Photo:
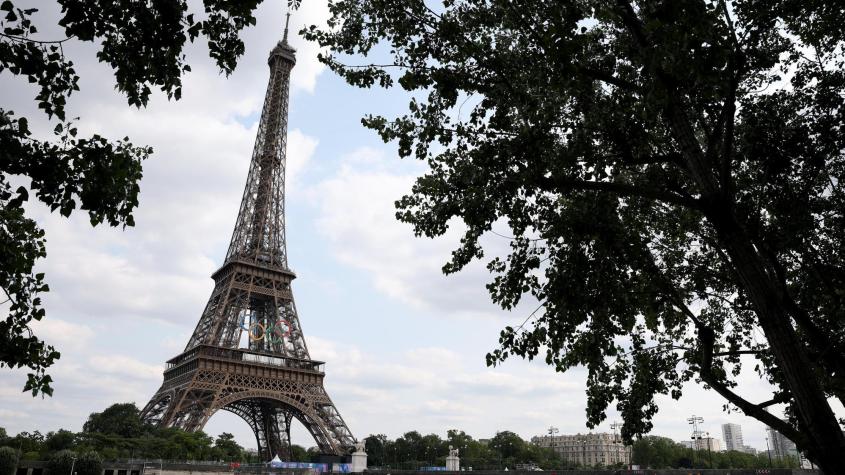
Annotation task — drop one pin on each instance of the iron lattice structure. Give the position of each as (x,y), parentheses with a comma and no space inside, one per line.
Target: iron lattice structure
(273,379)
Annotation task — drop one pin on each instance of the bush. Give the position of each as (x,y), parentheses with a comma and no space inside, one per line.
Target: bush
(61,463)
(8,461)
(89,463)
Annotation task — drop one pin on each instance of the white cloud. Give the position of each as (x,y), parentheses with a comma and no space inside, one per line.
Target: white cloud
(63,334)
(10,414)
(357,216)
(125,366)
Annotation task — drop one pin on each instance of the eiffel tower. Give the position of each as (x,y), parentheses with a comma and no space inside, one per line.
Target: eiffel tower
(247,354)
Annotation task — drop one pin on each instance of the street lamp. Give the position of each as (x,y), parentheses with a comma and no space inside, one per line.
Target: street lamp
(552,431)
(769,451)
(72,463)
(584,452)
(694,421)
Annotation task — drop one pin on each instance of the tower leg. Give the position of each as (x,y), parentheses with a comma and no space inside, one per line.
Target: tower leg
(271,425)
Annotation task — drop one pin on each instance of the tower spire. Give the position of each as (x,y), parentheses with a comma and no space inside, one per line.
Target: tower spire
(287,21)
(259,235)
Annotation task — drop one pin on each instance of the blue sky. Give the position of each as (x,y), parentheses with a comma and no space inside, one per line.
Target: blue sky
(404,345)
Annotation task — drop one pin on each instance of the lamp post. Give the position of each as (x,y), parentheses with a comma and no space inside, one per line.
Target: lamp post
(694,421)
(72,464)
(552,431)
(584,452)
(769,451)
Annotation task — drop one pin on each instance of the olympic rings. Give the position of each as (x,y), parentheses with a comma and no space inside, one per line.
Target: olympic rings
(274,332)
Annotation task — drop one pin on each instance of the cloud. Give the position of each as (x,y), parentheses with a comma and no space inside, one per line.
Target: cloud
(120,365)
(357,216)
(63,334)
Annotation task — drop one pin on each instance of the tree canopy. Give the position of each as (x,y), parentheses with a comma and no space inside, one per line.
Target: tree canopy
(143,42)
(661,452)
(119,419)
(671,173)
(118,433)
(413,450)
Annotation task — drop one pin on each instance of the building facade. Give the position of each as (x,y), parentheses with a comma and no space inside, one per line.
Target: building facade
(779,446)
(703,442)
(587,449)
(732,435)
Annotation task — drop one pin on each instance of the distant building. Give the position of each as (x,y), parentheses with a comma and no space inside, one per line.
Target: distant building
(749,450)
(732,435)
(703,442)
(779,446)
(587,449)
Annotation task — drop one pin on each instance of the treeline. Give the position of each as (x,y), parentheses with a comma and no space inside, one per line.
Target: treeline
(413,450)
(118,433)
(661,452)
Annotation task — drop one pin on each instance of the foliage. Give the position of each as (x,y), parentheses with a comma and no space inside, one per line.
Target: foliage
(143,43)
(88,463)
(27,442)
(62,462)
(413,450)
(229,449)
(660,452)
(59,440)
(119,419)
(298,453)
(117,433)
(671,172)
(8,461)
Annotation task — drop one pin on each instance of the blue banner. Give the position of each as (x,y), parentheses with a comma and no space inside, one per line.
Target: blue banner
(320,467)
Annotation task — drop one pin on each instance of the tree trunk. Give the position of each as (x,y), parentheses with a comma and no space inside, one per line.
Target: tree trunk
(826,444)
(826,441)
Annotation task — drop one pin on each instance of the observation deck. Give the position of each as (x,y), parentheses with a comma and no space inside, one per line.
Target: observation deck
(249,361)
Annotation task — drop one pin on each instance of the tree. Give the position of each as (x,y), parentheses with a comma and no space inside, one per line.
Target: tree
(671,173)
(120,419)
(61,462)
(28,442)
(59,440)
(230,450)
(88,463)
(376,448)
(8,461)
(143,43)
(658,452)
(507,444)
(298,453)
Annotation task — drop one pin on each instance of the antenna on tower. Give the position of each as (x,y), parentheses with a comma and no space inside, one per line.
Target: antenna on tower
(287,21)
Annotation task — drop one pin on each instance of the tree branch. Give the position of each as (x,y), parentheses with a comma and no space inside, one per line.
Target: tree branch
(738,352)
(30,40)
(757,411)
(562,184)
(608,78)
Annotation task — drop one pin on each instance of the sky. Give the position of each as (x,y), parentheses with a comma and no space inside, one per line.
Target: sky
(404,345)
